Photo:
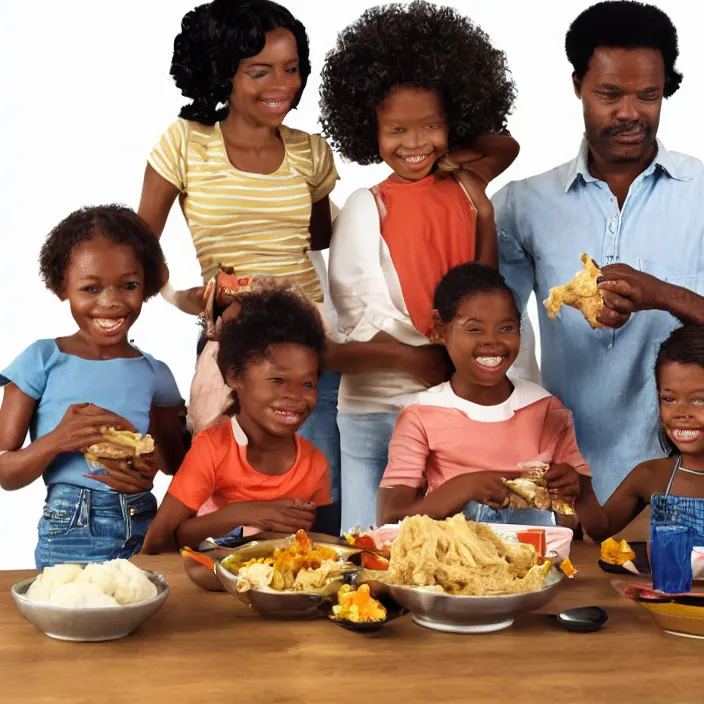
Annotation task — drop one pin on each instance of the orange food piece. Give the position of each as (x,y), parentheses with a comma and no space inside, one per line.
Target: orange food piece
(374,562)
(534,537)
(568,568)
(615,552)
(358,606)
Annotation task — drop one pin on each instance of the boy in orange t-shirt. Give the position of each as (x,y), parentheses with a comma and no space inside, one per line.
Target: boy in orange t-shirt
(253,466)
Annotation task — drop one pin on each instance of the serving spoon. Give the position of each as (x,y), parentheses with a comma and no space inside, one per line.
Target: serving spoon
(585,619)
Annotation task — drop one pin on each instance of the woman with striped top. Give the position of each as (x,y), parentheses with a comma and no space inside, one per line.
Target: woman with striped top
(253,191)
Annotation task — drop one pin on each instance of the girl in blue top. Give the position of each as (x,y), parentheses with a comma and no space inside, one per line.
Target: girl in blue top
(105,262)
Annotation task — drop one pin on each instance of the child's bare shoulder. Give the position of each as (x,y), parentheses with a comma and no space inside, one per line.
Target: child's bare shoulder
(651,476)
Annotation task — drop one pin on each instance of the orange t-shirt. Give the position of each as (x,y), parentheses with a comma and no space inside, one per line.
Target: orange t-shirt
(429,227)
(216,467)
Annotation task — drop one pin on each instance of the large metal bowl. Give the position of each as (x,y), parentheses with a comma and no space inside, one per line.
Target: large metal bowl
(288,604)
(471,614)
(89,624)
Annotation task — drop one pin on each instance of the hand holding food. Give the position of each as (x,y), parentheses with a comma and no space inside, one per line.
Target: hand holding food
(129,477)
(531,491)
(626,291)
(483,487)
(126,461)
(562,482)
(83,425)
(581,293)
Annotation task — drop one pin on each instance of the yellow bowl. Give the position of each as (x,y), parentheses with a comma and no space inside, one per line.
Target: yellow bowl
(678,619)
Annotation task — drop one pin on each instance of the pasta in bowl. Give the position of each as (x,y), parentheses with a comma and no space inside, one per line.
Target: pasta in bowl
(459,576)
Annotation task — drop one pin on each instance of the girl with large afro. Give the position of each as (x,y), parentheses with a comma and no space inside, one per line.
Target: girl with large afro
(421,88)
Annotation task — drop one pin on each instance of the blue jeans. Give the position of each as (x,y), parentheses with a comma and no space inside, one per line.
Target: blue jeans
(83,525)
(321,430)
(521,516)
(364,446)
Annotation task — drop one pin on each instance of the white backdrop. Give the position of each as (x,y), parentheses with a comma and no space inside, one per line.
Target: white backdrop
(86,92)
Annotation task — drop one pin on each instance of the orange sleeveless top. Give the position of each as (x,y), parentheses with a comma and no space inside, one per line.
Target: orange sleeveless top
(429,227)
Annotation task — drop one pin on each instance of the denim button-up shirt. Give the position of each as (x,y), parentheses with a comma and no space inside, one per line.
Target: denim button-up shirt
(606,377)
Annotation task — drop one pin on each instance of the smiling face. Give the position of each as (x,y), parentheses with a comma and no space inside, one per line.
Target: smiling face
(277,392)
(104,285)
(266,85)
(681,391)
(622,94)
(412,131)
(482,340)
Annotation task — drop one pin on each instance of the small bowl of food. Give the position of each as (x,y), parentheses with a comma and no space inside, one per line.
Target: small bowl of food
(93,602)
(676,614)
(363,610)
(287,578)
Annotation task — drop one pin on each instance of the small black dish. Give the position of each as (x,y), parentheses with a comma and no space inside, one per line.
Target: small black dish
(640,562)
(585,619)
(392,613)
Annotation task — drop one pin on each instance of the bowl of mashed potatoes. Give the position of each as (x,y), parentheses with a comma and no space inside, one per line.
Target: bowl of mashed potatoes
(93,602)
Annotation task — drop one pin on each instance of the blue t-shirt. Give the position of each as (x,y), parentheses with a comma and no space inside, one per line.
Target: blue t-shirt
(128,387)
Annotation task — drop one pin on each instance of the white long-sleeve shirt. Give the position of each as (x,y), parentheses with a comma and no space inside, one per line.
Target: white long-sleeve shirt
(366,292)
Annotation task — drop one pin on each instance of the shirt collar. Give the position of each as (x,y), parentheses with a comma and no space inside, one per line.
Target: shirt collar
(240,437)
(579,167)
(524,394)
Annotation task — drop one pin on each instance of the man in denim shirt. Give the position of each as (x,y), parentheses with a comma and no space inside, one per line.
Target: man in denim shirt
(634,207)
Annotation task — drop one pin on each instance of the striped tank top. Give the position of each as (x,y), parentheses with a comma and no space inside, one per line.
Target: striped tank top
(256,223)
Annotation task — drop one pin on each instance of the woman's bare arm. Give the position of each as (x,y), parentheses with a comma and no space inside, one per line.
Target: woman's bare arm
(320,225)
(158,195)
(166,427)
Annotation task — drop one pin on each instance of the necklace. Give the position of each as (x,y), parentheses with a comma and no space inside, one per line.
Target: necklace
(699,473)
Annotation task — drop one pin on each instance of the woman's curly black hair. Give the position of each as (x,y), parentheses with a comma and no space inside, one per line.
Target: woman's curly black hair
(419,45)
(116,223)
(266,318)
(468,280)
(685,345)
(214,38)
(624,25)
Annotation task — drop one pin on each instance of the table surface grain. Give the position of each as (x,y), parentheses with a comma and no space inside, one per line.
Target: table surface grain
(209,647)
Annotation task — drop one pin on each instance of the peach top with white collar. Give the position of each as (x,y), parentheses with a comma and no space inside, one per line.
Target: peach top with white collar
(216,466)
(442,436)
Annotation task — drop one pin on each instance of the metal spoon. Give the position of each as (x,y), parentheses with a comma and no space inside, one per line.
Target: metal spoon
(584,619)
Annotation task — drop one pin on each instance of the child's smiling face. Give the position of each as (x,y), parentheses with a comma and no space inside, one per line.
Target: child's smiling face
(278,392)
(483,338)
(681,391)
(412,131)
(104,285)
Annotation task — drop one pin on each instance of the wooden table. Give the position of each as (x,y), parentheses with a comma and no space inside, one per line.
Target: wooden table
(208,647)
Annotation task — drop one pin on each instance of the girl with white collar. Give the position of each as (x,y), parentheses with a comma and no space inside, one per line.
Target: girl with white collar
(453,445)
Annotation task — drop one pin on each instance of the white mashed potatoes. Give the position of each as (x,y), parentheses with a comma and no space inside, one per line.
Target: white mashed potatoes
(112,583)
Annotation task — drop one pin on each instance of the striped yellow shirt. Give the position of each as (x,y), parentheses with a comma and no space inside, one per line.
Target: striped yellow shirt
(256,223)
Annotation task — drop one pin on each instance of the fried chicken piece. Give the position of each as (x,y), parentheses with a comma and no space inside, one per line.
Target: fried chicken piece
(580,293)
(530,491)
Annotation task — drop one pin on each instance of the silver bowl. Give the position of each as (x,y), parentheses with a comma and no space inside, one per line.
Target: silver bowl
(283,605)
(471,614)
(89,624)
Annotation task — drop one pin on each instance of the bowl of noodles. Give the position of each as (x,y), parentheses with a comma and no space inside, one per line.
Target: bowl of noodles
(461,577)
